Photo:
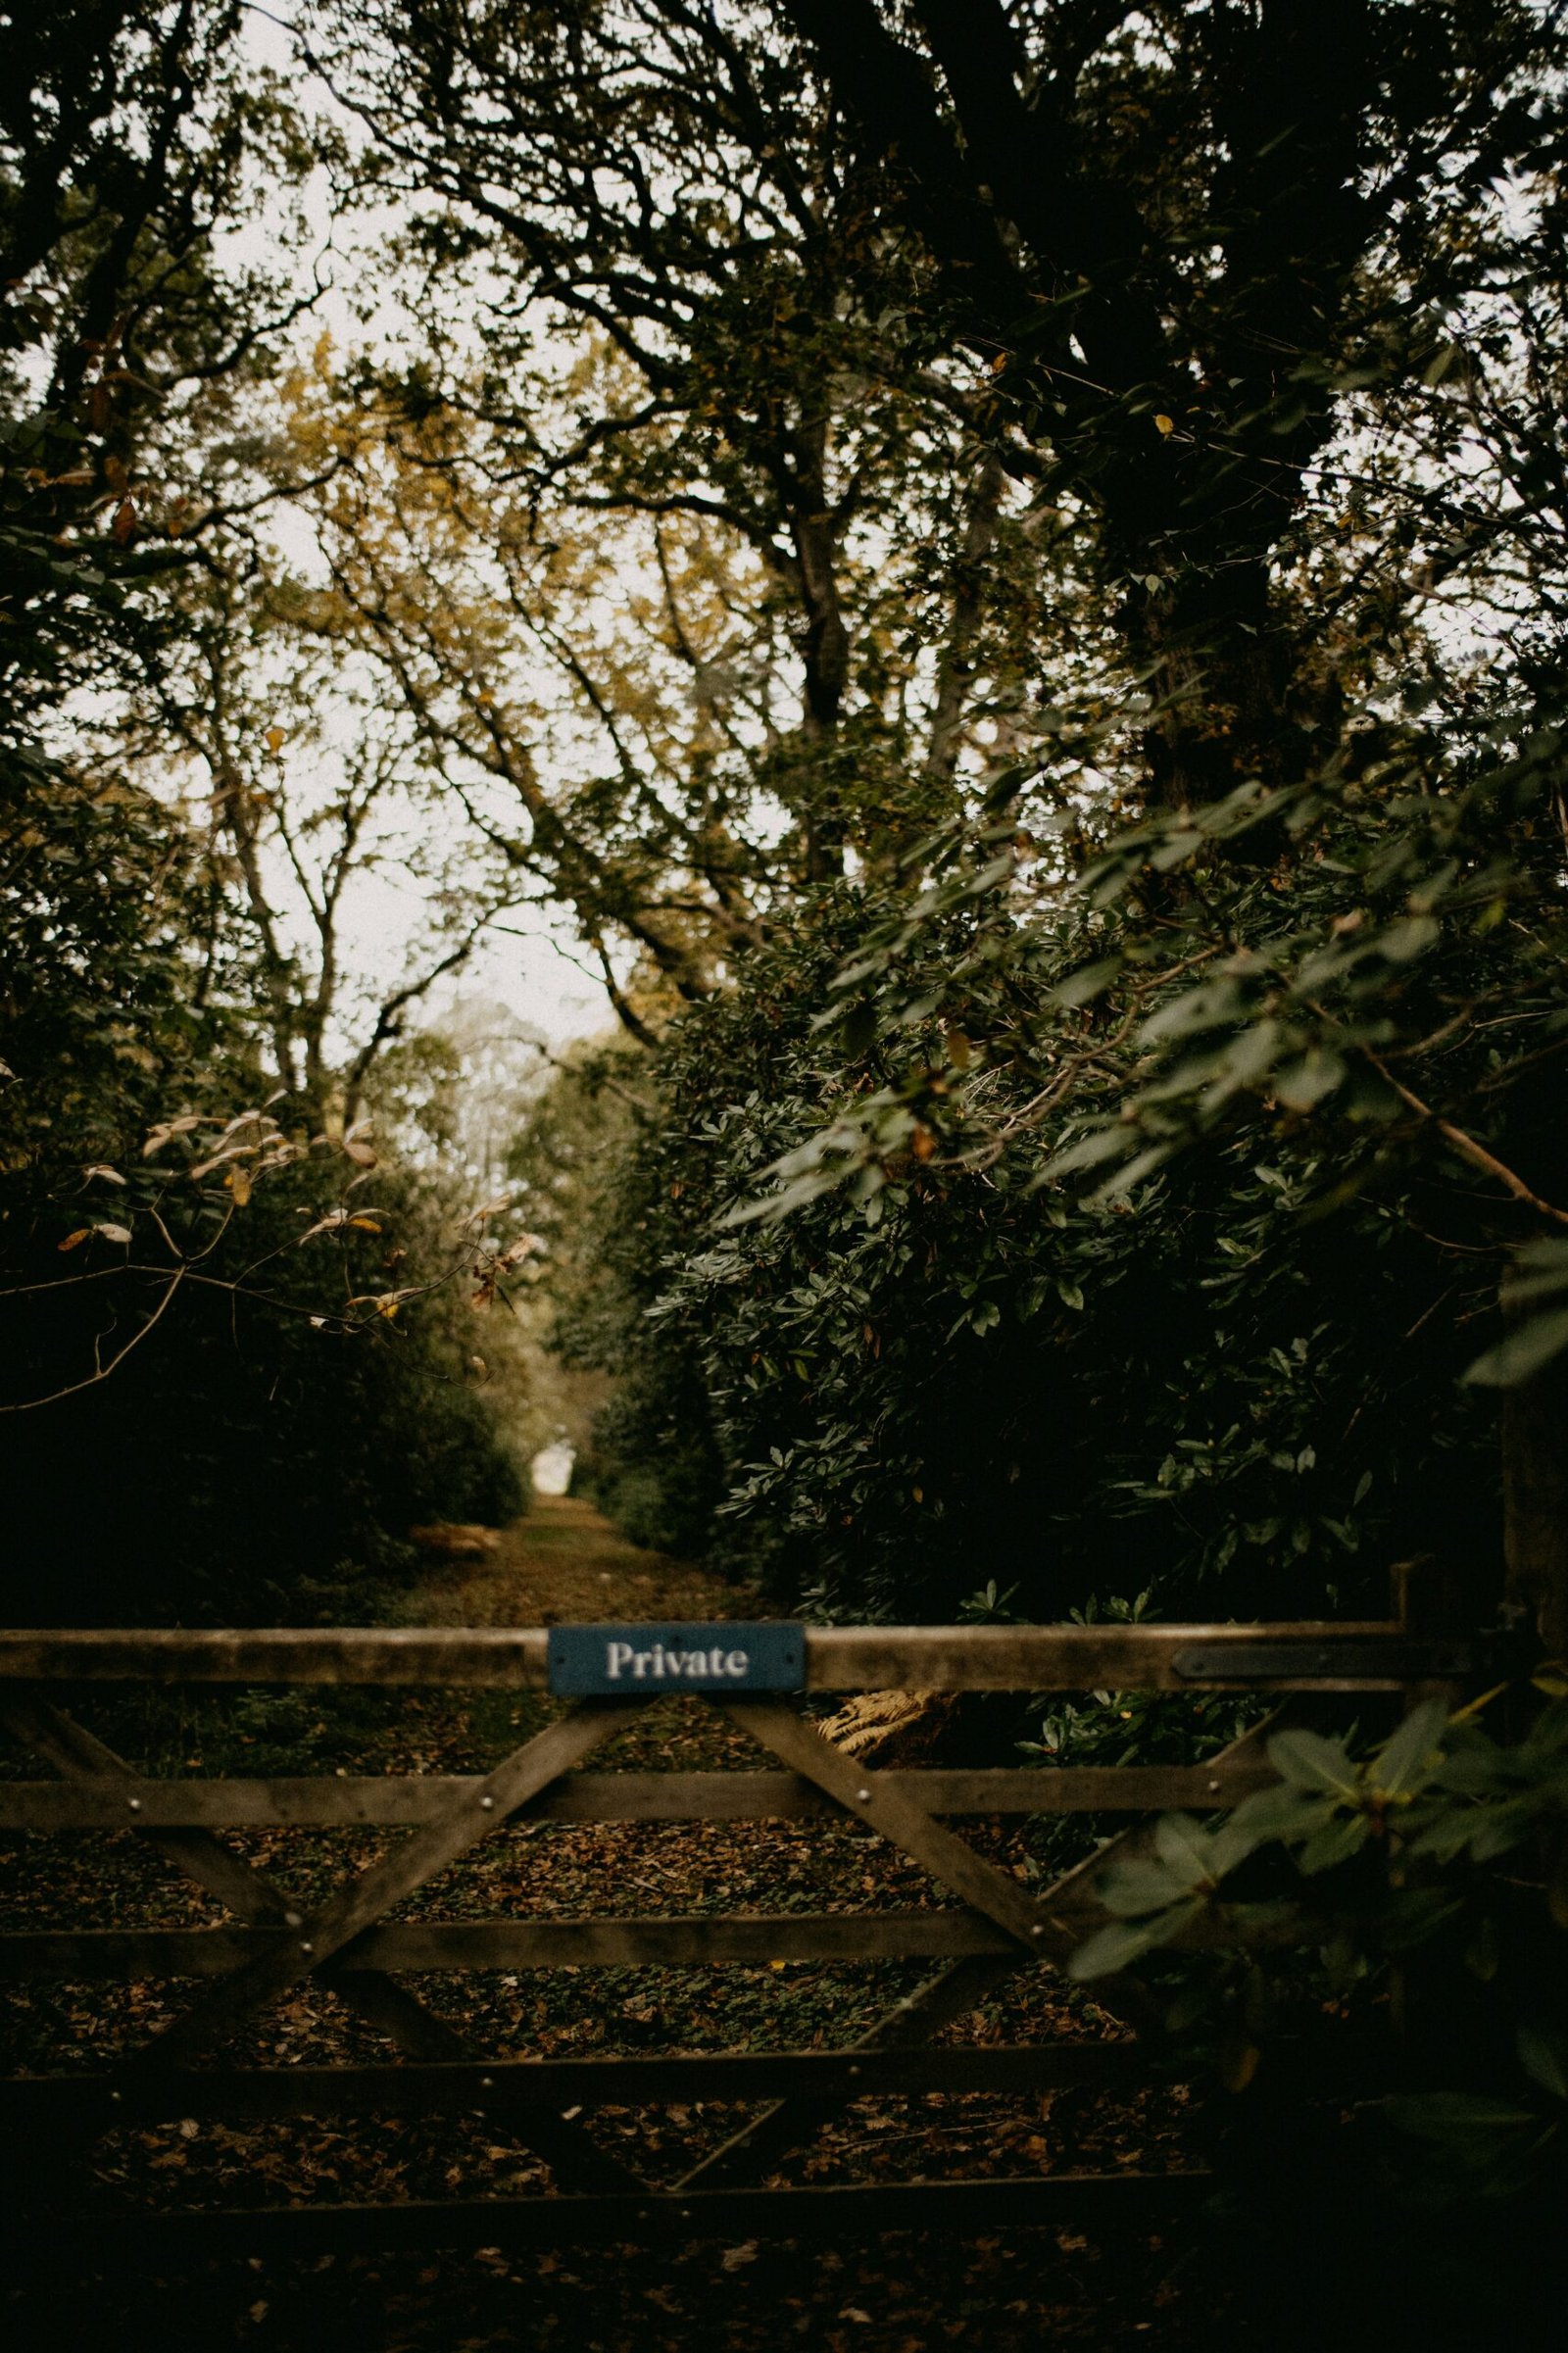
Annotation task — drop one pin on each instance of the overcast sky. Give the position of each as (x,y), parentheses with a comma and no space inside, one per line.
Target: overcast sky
(535,967)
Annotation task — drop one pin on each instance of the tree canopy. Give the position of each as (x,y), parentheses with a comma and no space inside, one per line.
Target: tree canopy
(1003,567)
(996,570)
(1125,697)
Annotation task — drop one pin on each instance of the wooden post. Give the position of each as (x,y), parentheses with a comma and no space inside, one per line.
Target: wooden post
(1535,1502)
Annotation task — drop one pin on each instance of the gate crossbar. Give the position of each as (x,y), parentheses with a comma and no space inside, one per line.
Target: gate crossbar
(349,1943)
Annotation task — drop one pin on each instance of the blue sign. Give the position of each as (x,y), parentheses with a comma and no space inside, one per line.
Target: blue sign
(645,1662)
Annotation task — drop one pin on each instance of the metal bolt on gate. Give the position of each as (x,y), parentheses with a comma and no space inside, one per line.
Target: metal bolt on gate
(757,1673)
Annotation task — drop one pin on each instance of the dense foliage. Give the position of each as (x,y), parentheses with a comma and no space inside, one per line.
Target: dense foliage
(1156,1129)
(200,1412)
(1132,1177)
(1417,1882)
(1003,567)
(937,1374)
(220,1383)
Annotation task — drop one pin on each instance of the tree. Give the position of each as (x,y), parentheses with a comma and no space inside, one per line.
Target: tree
(706,354)
(132,140)
(1273,873)
(186,1402)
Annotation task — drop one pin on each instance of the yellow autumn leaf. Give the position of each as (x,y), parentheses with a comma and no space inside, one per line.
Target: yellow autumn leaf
(1166,424)
(80,1235)
(277,738)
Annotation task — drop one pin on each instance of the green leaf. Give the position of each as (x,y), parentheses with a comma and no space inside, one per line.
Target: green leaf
(1184,1847)
(1285,1813)
(1453,2115)
(1404,941)
(1307,1761)
(1441,364)
(1544,2056)
(1483,1955)
(1416,1744)
(1142,1885)
(1087,982)
(1121,1942)
(1523,1351)
(1100,1144)
(1335,1843)
(1302,1084)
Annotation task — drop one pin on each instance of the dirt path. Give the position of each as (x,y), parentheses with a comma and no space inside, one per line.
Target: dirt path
(564,1562)
(896,2296)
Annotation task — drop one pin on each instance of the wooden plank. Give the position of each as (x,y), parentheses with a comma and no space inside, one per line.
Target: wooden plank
(1075,1893)
(496,2086)
(79,1754)
(510,1656)
(840,1658)
(576,2159)
(674,1941)
(396,1874)
(100,2237)
(382,1802)
(760,2144)
(392,2008)
(749,1941)
(1074,1908)
(898,1818)
(1046,1658)
(388,1800)
(762,2140)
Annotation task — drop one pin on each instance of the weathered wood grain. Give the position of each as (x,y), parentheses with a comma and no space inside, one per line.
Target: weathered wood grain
(762,2140)
(840,1658)
(36,2103)
(387,1801)
(103,2238)
(391,2007)
(672,1941)
(1074,1909)
(285,1963)
(897,1817)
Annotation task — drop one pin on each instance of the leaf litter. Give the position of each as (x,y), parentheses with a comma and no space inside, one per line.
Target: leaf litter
(903,2291)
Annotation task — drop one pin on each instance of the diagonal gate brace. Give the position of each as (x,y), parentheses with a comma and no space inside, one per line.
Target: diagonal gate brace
(572,2154)
(961,1986)
(471,1816)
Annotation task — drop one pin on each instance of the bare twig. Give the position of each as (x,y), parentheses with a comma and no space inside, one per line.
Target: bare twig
(101,1372)
(1466,1146)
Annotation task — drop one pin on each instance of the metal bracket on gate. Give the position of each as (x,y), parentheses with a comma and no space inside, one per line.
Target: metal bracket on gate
(1373,1659)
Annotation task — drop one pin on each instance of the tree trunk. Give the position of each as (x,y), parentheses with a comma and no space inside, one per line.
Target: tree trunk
(956,667)
(824,647)
(1534,1502)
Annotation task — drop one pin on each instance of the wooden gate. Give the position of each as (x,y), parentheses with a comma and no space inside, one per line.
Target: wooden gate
(272,1943)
